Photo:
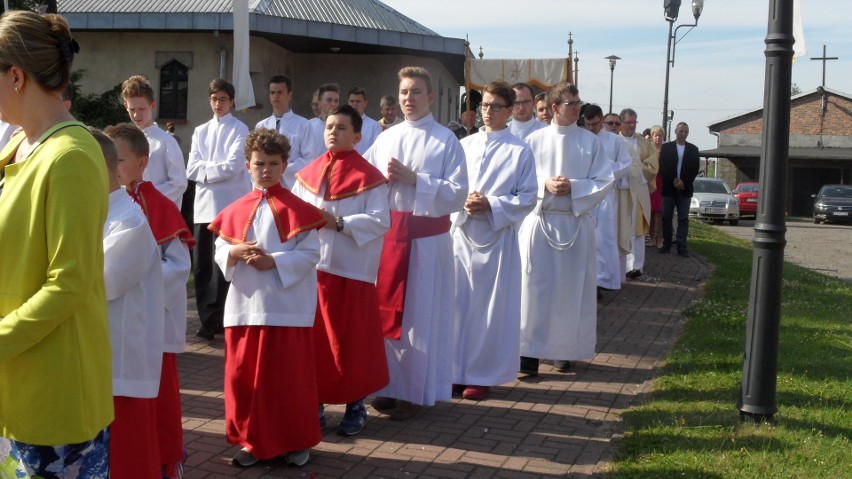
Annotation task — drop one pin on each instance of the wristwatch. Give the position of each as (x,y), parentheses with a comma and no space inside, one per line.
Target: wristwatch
(339,225)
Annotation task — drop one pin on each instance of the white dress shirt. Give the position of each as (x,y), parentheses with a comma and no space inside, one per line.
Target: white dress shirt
(217,164)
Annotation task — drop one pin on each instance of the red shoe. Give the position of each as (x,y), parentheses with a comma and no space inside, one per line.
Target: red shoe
(475,393)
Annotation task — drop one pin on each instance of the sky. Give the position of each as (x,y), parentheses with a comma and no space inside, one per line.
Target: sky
(719,66)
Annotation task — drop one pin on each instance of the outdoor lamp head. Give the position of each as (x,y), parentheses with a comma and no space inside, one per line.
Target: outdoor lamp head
(671,8)
(612,59)
(697,7)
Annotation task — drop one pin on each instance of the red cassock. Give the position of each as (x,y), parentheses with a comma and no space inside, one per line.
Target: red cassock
(348,345)
(133,447)
(270,389)
(166,224)
(270,379)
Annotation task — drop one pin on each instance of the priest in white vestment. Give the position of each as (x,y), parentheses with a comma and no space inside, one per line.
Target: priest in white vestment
(643,178)
(557,240)
(610,275)
(501,171)
(425,165)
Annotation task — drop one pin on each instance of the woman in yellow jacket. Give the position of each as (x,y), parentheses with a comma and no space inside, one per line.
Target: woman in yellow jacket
(55,386)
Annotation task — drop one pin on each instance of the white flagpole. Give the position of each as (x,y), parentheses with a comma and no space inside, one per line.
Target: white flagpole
(242,78)
(799,47)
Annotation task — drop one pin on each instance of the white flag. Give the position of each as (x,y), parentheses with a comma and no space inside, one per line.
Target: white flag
(242,78)
(799,47)
(542,73)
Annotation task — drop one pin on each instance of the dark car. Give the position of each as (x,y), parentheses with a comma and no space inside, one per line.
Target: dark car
(833,203)
(746,194)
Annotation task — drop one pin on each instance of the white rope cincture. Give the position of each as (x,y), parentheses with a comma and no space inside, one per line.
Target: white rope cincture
(552,242)
(479,247)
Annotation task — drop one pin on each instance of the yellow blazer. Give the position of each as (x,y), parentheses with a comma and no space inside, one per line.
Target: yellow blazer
(55,362)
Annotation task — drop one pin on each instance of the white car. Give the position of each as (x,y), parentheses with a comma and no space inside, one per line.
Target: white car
(712,199)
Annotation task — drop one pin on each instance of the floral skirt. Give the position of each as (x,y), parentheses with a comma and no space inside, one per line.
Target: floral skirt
(86,460)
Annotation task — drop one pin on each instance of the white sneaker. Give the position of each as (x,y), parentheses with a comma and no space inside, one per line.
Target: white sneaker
(298,458)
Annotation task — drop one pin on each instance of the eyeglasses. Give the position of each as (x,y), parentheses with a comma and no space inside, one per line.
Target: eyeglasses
(219,99)
(591,124)
(612,123)
(495,107)
(572,104)
(523,102)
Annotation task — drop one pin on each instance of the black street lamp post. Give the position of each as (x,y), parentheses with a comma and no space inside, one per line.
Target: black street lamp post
(760,358)
(671,9)
(612,59)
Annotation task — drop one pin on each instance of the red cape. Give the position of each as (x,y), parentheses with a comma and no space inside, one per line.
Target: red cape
(292,215)
(346,173)
(163,215)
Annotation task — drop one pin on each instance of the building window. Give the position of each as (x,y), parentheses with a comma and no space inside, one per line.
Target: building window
(174,82)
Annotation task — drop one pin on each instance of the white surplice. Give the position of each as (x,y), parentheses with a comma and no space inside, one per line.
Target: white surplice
(295,128)
(166,168)
(314,144)
(606,213)
(285,295)
(353,253)
(523,129)
(488,261)
(134,292)
(370,130)
(420,362)
(557,240)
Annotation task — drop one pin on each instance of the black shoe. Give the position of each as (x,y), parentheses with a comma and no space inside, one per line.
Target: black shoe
(682,253)
(634,273)
(561,366)
(664,250)
(354,419)
(205,333)
(529,366)
(383,404)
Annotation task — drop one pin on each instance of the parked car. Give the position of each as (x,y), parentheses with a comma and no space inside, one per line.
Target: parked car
(713,200)
(833,203)
(746,195)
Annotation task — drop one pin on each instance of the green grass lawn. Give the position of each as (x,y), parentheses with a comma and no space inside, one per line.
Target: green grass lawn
(689,426)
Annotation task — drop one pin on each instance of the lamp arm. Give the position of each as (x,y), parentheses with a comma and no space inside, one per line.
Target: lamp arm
(675,40)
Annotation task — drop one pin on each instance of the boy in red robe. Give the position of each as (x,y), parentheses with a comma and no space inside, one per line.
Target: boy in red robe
(348,342)
(175,240)
(268,248)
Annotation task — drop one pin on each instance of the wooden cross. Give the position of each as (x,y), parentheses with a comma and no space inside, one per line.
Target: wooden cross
(824,59)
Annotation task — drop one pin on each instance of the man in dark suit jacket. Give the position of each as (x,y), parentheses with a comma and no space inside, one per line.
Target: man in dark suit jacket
(468,124)
(679,164)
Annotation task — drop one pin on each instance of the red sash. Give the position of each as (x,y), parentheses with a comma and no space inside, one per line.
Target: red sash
(292,215)
(393,267)
(163,215)
(346,174)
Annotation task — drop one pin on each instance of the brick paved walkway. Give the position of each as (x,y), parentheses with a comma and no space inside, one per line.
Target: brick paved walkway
(555,425)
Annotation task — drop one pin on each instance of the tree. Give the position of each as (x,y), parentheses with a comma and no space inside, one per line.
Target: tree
(31,5)
(96,109)
(795,90)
